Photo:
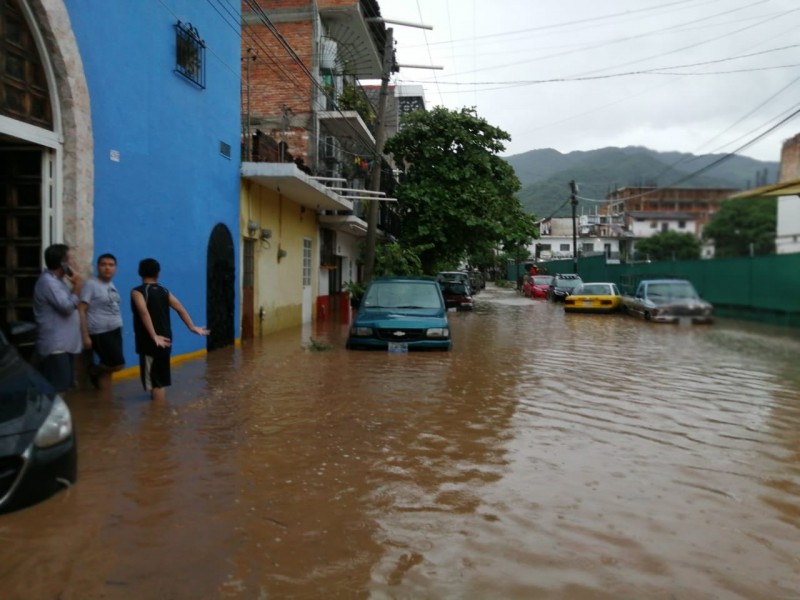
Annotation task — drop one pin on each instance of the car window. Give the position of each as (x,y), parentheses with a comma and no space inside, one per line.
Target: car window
(593,289)
(568,283)
(402,294)
(542,279)
(454,288)
(672,290)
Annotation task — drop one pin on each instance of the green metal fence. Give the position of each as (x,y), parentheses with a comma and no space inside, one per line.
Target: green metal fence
(760,288)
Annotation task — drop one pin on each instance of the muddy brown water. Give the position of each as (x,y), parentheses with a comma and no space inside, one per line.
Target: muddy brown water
(546,456)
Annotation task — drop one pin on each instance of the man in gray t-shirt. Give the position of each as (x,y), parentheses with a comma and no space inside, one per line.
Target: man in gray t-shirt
(101,322)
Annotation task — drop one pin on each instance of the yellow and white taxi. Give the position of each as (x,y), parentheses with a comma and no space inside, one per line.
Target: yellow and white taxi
(594,297)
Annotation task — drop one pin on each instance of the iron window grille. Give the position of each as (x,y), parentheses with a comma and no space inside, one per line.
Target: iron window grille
(190,50)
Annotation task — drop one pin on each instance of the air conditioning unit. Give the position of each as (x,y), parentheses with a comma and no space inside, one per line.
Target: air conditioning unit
(330,148)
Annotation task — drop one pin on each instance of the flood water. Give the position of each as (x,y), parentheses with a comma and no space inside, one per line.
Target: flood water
(546,456)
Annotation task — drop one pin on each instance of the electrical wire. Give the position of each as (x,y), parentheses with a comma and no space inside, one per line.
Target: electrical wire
(280,70)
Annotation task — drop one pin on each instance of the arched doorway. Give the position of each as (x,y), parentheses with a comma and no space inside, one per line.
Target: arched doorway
(220,293)
(46,162)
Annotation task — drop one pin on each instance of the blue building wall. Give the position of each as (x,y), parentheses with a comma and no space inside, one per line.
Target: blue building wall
(170,185)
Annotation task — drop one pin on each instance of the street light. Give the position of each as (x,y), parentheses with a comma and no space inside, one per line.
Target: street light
(388,67)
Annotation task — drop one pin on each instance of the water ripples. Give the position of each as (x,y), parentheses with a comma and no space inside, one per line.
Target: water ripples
(546,456)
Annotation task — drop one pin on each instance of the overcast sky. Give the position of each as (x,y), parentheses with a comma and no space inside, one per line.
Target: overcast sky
(699,76)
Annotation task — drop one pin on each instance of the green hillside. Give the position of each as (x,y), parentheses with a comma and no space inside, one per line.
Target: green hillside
(545,175)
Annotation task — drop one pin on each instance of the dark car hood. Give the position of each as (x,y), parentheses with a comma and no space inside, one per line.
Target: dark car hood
(25,401)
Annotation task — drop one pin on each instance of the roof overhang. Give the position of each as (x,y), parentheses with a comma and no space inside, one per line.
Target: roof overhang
(786,188)
(348,224)
(347,25)
(347,124)
(288,180)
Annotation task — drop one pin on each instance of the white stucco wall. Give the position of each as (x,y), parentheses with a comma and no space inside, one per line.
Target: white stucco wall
(788,233)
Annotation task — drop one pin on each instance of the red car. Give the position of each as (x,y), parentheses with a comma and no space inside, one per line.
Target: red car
(456,295)
(537,286)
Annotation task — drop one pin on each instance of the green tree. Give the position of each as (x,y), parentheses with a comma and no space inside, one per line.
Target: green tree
(740,222)
(394,259)
(457,196)
(669,245)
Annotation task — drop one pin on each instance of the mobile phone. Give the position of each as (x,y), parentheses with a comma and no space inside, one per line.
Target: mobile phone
(67,269)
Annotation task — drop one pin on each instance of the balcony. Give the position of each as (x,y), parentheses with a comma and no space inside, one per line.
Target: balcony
(361,41)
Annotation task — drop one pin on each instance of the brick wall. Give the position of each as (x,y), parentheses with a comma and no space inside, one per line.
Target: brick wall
(790,159)
(276,79)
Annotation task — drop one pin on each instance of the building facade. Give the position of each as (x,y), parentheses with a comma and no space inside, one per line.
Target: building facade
(120,126)
(787,190)
(309,148)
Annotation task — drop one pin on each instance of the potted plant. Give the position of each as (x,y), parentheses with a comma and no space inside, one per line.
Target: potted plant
(356,290)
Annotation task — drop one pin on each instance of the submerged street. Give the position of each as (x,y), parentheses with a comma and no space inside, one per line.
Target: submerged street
(546,456)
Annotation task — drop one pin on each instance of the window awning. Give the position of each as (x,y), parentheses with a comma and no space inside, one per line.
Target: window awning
(786,188)
(287,179)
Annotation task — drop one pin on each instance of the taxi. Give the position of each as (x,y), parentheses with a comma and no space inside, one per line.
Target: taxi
(594,297)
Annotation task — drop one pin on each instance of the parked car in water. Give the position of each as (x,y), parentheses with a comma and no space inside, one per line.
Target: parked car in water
(537,286)
(477,280)
(38,450)
(456,295)
(461,276)
(594,297)
(562,286)
(400,314)
(668,301)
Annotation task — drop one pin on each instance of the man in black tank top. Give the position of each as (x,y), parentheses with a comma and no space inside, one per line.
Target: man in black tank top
(151,303)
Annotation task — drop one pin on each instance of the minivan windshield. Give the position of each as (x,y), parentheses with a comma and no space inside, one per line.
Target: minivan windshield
(403,294)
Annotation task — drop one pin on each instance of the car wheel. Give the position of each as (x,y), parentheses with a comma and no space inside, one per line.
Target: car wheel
(647,316)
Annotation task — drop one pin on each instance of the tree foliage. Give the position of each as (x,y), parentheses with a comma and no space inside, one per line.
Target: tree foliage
(457,196)
(741,222)
(395,259)
(669,245)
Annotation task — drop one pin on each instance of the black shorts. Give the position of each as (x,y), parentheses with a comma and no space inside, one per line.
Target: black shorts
(59,369)
(108,347)
(154,371)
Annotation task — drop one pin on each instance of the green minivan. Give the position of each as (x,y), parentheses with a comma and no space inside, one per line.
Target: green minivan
(400,314)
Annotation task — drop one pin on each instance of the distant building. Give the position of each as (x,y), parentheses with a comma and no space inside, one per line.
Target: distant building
(630,214)
(787,190)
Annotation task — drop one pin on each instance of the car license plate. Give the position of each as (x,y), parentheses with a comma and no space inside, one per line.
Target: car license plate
(398,347)
(587,302)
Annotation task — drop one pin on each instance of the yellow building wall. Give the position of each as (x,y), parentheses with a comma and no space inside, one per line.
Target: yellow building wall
(278,285)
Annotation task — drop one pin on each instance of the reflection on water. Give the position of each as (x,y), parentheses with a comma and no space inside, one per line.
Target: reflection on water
(546,456)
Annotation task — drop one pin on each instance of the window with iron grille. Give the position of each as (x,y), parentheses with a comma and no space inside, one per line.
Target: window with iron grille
(190,54)
(306,261)
(327,251)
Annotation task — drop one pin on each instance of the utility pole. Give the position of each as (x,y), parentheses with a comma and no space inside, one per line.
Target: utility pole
(380,138)
(574,201)
(388,67)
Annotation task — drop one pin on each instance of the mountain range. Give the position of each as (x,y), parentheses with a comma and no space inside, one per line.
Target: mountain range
(545,175)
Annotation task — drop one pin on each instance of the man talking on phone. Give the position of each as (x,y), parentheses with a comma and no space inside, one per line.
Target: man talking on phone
(55,308)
